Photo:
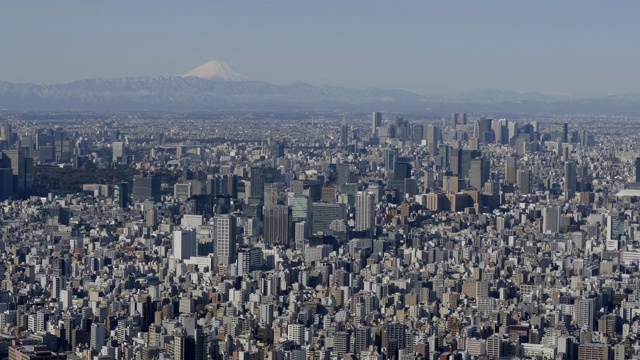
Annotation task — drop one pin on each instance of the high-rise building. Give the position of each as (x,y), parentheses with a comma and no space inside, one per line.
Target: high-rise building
(275,194)
(121,195)
(118,151)
(344,174)
(510,170)
(5,132)
(258,179)
(225,248)
(361,339)
(390,158)
(184,244)
(586,313)
(98,333)
(22,168)
(323,214)
(376,122)
(637,169)
(146,187)
(184,346)
(479,173)
(454,120)
(524,181)
(570,180)
(401,171)
(277,225)
(344,133)
(365,212)
(551,219)
(433,139)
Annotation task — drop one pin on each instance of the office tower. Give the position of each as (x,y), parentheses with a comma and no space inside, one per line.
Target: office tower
(57,284)
(376,122)
(365,212)
(300,207)
(344,173)
(98,333)
(393,339)
(225,248)
(182,191)
(401,171)
(559,132)
(637,170)
(390,158)
(361,339)
(551,219)
(184,244)
(66,298)
(275,194)
(5,133)
(479,173)
(118,151)
(22,168)
(184,346)
(417,133)
(266,314)
(62,145)
(277,225)
(513,130)
(524,181)
(344,133)
(585,313)
(323,214)
(258,179)
(341,343)
(329,194)
(433,139)
(249,260)
(614,226)
(570,180)
(500,131)
(510,170)
(454,120)
(121,195)
(146,187)
(6,183)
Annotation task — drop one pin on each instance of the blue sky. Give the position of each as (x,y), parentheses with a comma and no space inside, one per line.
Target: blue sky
(429,47)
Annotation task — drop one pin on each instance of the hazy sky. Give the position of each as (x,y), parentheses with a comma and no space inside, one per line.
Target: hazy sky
(576,47)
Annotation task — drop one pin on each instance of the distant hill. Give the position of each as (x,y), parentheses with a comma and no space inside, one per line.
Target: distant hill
(215,86)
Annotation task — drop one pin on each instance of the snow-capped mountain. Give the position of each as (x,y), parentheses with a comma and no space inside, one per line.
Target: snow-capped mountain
(215,70)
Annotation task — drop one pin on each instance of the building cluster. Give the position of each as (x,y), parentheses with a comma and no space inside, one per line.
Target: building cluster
(369,237)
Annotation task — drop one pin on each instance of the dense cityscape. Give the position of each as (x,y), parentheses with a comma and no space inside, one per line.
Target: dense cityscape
(319,236)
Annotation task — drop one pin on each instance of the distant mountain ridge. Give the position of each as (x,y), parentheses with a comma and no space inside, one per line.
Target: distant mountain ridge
(215,86)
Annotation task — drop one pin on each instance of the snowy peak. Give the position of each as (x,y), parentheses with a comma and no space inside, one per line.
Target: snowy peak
(215,70)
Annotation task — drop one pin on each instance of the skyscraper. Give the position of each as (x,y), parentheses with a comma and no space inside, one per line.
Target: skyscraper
(433,139)
(225,248)
(479,173)
(365,212)
(376,122)
(98,332)
(570,180)
(551,219)
(277,225)
(146,187)
(524,181)
(258,179)
(344,133)
(184,244)
(510,170)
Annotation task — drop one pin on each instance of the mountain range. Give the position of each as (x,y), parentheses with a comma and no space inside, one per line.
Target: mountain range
(216,86)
